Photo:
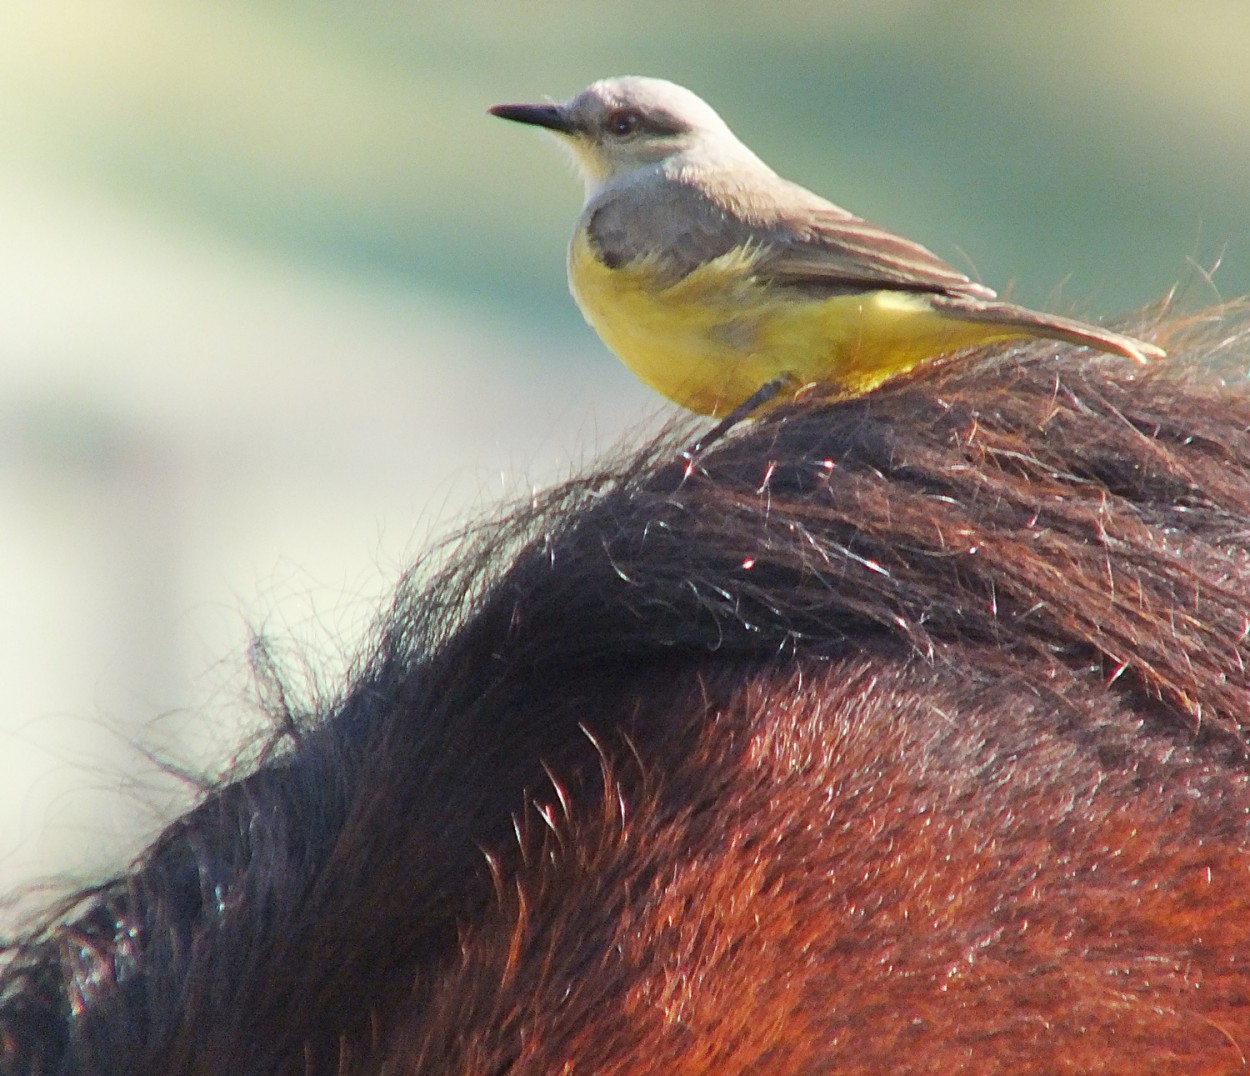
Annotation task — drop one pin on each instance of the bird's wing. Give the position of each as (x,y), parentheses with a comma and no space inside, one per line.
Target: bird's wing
(832,251)
(798,238)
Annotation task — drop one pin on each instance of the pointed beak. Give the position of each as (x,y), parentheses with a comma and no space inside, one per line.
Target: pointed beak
(553,117)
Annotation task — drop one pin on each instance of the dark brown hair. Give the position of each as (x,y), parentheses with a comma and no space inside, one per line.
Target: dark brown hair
(894,734)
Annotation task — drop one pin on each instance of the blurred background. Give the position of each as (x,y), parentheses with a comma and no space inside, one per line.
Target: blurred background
(280,304)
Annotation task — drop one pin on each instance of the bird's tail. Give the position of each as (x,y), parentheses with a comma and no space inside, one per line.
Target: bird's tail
(1033,323)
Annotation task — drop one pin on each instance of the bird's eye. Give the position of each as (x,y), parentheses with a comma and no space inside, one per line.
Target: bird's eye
(623,123)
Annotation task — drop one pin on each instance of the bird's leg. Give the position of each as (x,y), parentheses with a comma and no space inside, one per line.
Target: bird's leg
(764,394)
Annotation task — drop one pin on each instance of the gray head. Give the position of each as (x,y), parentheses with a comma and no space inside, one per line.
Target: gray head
(620,125)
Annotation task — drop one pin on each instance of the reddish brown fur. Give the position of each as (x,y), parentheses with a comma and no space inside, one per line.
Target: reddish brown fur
(868,893)
(900,735)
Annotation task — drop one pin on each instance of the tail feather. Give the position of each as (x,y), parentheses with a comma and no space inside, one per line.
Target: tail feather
(1051,326)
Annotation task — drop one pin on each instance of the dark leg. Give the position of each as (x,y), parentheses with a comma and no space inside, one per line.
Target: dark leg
(764,394)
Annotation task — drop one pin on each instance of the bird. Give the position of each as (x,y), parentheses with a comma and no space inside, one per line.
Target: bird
(728,288)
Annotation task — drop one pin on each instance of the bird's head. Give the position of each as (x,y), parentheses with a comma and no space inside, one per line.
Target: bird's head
(618,126)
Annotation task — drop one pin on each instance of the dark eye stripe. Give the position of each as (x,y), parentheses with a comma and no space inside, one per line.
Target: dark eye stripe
(625,122)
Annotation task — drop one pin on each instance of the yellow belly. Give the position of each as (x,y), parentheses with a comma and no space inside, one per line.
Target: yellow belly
(716,336)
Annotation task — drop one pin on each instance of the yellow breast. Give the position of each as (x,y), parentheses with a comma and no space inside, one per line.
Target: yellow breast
(714,337)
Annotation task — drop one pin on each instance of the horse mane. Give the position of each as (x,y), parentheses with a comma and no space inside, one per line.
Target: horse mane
(1007,595)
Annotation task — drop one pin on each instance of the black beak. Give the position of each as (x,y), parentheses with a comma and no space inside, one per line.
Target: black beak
(553,117)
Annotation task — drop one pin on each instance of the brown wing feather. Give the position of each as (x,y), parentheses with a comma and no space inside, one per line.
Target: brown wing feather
(802,239)
(849,253)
